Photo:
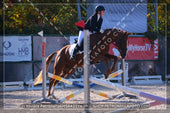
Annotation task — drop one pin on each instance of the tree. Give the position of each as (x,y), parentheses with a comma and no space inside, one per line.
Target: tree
(162,5)
(26,19)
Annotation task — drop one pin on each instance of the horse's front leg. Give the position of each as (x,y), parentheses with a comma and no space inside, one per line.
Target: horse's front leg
(108,69)
(110,57)
(115,63)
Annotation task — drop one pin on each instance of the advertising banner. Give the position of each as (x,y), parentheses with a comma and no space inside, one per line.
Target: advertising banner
(129,15)
(139,48)
(16,48)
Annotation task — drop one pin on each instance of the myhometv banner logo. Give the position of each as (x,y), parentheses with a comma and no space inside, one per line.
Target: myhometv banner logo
(140,48)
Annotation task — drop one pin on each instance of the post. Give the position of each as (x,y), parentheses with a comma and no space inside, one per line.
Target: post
(86,71)
(124,82)
(43,73)
(123,74)
(156,15)
(79,10)
(44,66)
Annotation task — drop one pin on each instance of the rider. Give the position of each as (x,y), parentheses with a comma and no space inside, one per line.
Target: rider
(93,24)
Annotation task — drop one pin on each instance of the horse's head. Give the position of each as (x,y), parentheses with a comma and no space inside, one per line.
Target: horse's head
(122,43)
(116,36)
(119,38)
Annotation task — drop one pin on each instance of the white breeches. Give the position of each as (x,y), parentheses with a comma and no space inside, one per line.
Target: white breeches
(81,36)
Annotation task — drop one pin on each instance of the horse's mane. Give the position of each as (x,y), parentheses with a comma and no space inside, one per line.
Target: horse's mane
(101,33)
(96,37)
(106,30)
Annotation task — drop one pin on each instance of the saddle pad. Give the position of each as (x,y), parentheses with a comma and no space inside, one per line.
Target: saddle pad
(72,49)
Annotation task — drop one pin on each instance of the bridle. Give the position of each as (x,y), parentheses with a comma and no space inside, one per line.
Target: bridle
(119,43)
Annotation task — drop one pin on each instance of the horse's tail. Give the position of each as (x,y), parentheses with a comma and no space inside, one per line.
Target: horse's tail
(38,79)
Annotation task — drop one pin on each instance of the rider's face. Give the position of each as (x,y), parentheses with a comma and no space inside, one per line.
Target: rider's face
(101,13)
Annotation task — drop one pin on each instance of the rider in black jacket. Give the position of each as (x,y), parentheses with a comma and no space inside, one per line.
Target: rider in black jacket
(93,24)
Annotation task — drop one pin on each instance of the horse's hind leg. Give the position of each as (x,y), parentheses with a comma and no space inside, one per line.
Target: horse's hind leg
(51,81)
(58,68)
(64,74)
(53,89)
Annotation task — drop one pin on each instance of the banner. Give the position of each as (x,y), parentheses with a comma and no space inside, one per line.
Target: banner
(139,48)
(16,48)
(129,15)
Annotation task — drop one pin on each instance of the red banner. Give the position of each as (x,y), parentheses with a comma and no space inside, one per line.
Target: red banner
(139,48)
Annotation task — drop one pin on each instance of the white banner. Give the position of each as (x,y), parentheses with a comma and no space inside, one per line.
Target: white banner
(16,48)
(131,18)
(129,15)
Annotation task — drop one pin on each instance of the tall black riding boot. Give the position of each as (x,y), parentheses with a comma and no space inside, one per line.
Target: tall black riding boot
(76,49)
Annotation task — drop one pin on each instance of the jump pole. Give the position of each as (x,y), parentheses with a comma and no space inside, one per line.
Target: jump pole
(43,99)
(82,86)
(70,96)
(130,90)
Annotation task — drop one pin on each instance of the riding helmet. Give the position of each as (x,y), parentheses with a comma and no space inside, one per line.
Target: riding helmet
(99,8)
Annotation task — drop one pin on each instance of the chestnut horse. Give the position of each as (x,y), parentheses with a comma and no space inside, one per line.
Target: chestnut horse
(99,47)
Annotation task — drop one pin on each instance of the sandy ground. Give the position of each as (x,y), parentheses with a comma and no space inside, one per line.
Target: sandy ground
(20,101)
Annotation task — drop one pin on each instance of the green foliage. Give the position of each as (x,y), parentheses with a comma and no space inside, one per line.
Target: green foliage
(65,20)
(163,14)
(22,18)
(1,18)
(151,35)
(25,19)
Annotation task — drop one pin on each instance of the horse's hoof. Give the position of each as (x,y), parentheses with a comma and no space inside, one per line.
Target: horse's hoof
(49,97)
(52,97)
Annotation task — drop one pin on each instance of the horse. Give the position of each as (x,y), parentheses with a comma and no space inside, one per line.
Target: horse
(99,47)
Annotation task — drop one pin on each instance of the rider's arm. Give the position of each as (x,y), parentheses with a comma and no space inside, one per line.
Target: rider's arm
(96,26)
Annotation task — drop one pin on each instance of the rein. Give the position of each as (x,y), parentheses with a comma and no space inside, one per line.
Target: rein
(119,43)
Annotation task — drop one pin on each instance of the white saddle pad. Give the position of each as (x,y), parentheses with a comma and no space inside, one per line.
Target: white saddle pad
(72,49)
